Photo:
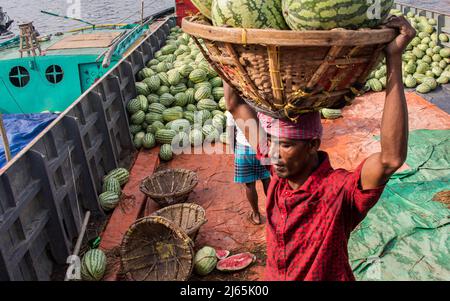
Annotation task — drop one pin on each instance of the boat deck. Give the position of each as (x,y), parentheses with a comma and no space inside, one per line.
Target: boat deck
(348,141)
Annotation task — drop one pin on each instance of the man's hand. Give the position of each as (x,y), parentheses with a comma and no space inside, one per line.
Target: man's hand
(407,33)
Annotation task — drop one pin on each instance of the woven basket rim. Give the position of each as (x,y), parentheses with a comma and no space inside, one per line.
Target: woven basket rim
(184,191)
(337,37)
(182,235)
(197,207)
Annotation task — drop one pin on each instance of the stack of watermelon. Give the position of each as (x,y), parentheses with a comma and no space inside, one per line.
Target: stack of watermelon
(112,188)
(180,99)
(426,61)
(294,14)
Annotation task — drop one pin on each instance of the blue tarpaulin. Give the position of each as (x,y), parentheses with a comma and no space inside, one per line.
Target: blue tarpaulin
(21,129)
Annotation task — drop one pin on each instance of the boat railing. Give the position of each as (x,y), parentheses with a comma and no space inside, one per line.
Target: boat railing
(46,190)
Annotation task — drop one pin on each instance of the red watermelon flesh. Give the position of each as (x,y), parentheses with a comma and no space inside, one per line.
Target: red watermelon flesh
(222,254)
(236,262)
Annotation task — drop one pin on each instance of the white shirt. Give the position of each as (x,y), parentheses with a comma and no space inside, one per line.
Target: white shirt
(240,137)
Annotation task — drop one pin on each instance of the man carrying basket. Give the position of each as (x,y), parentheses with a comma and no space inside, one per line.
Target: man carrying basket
(311,207)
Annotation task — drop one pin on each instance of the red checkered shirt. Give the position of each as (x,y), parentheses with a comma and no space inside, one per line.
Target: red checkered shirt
(308,228)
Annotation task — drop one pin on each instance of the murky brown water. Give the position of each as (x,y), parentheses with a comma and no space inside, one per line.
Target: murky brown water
(107,11)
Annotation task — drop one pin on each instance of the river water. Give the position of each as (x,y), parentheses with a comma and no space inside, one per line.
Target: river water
(114,11)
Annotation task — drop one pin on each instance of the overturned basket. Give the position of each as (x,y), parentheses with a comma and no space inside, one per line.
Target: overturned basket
(155,249)
(285,73)
(189,217)
(170,187)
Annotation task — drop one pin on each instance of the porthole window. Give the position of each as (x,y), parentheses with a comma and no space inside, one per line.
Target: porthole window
(54,74)
(19,76)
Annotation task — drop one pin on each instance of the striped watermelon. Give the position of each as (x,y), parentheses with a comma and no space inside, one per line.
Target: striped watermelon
(93,265)
(185,70)
(138,117)
(109,200)
(162,90)
(153,62)
(167,99)
(190,94)
(164,136)
(191,107)
(112,185)
(165,152)
(153,82)
(219,121)
(144,73)
(202,116)
(223,104)
(181,99)
(143,101)
(218,93)
(152,98)
(149,141)
(174,77)
(168,49)
(172,114)
(164,78)
(142,89)
(216,82)
(210,132)
(198,76)
(120,174)
(207,104)
(150,118)
(203,6)
(248,14)
(181,87)
(133,106)
(180,125)
(325,15)
(156,108)
(216,112)
(154,127)
(203,93)
(135,128)
(190,116)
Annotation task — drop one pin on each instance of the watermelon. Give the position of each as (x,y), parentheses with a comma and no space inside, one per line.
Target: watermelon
(133,106)
(331,113)
(152,98)
(150,118)
(109,200)
(149,141)
(248,14)
(207,104)
(205,261)
(142,89)
(167,99)
(121,174)
(180,125)
(236,262)
(222,254)
(154,83)
(326,15)
(165,152)
(154,127)
(210,132)
(157,108)
(164,78)
(223,104)
(112,185)
(219,121)
(174,77)
(198,76)
(204,7)
(196,137)
(179,88)
(168,49)
(164,136)
(162,90)
(93,265)
(218,93)
(203,93)
(185,70)
(181,99)
(143,102)
(138,139)
(135,128)
(216,82)
(152,62)
(172,114)
(138,117)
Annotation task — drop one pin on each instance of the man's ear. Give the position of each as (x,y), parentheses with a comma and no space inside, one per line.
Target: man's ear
(314,145)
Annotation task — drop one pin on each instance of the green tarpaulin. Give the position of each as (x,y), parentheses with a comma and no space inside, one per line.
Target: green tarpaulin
(406,236)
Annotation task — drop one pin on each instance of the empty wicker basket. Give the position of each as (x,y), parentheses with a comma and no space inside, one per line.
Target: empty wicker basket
(189,217)
(170,187)
(155,249)
(285,73)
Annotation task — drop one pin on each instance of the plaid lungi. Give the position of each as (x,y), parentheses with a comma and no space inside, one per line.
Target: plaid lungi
(247,168)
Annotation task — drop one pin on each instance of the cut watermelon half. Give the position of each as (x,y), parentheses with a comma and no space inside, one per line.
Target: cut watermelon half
(222,254)
(236,262)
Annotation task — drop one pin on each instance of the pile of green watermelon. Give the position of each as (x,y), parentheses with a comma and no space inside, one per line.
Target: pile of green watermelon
(180,99)
(112,188)
(426,61)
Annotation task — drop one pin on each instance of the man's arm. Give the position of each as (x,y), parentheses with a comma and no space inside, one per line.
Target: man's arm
(245,117)
(379,167)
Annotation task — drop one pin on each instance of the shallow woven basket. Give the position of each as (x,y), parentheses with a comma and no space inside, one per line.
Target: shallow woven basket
(189,217)
(170,187)
(285,73)
(155,249)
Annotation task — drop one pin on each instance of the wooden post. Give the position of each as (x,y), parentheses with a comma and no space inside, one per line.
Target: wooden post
(142,12)
(4,139)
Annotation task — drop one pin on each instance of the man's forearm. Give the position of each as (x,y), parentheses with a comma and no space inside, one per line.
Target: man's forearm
(394,125)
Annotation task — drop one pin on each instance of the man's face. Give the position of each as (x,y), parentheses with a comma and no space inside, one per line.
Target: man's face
(291,157)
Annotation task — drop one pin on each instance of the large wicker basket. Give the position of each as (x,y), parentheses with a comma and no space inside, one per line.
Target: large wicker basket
(170,187)
(189,217)
(155,249)
(285,73)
